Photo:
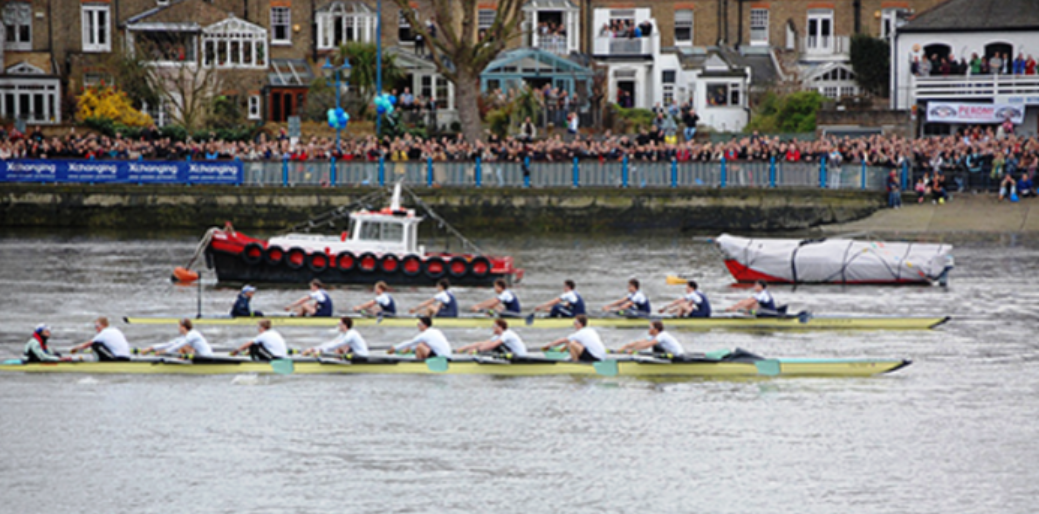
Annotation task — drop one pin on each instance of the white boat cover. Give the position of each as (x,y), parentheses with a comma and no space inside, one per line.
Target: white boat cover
(838,260)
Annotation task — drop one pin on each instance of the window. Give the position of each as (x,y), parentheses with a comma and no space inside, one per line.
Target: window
(684,27)
(723,95)
(374,231)
(36,101)
(339,25)
(97,30)
(165,46)
(18,26)
(820,30)
(485,18)
(759,26)
(254,107)
(404,32)
(281,20)
(234,43)
(668,79)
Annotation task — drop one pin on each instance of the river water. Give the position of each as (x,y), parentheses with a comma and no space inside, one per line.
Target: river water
(954,432)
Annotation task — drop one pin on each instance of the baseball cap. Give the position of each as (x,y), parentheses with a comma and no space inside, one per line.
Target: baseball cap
(248,289)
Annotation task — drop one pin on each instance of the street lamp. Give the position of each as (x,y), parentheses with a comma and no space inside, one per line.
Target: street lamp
(341,71)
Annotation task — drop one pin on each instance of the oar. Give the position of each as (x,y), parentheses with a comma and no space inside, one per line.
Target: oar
(673,280)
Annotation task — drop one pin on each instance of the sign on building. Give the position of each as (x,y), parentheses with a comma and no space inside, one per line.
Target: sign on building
(951,112)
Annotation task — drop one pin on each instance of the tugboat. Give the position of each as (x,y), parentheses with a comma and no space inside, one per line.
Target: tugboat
(379,246)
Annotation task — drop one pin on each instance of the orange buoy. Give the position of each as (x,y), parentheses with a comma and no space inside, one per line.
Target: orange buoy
(182,274)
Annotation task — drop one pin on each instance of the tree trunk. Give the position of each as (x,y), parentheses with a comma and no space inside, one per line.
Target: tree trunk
(467,91)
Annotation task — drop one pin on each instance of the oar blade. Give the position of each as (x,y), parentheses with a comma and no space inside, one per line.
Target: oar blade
(437,364)
(768,367)
(606,368)
(673,280)
(283,366)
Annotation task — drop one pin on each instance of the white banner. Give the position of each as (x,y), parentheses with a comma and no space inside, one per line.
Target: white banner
(949,112)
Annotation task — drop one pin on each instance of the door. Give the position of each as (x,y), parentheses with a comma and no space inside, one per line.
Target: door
(626,93)
(819,37)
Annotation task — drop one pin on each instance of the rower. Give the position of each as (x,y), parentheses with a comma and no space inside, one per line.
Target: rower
(36,349)
(190,341)
(567,305)
(585,345)
(382,304)
(241,308)
(761,303)
(442,305)
(504,303)
(634,304)
(348,340)
(109,344)
(429,342)
(316,304)
(504,341)
(658,340)
(693,304)
(267,346)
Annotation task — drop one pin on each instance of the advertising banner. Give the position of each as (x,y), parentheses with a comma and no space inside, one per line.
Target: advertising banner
(951,112)
(122,172)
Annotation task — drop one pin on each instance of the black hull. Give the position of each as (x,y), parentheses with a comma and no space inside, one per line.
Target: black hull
(231,267)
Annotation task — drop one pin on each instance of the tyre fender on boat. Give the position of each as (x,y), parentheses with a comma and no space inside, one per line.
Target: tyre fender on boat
(368,262)
(458,267)
(317,262)
(274,255)
(480,267)
(252,254)
(389,264)
(411,265)
(346,261)
(295,258)
(434,267)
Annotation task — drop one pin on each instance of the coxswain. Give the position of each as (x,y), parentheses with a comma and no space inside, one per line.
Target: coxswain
(584,345)
(317,304)
(36,349)
(634,304)
(761,303)
(267,346)
(241,308)
(693,304)
(659,340)
(109,344)
(567,305)
(505,303)
(441,305)
(349,341)
(190,341)
(505,340)
(429,342)
(382,304)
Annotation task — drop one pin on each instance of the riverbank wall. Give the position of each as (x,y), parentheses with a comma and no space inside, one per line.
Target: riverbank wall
(537,210)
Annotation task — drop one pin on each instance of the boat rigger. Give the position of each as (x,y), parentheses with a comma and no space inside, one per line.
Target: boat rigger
(730,322)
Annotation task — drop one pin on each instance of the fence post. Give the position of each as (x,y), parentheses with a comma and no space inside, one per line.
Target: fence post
(479,173)
(822,172)
(674,172)
(905,174)
(526,172)
(724,171)
(863,175)
(624,171)
(429,171)
(284,170)
(332,178)
(577,174)
(382,171)
(772,172)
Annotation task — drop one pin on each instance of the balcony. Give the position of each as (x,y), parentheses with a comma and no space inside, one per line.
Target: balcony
(553,43)
(977,87)
(627,47)
(825,47)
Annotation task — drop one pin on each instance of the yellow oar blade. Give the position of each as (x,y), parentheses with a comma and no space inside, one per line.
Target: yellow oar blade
(673,280)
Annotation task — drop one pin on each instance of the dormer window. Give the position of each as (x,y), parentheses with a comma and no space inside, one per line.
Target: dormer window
(17,26)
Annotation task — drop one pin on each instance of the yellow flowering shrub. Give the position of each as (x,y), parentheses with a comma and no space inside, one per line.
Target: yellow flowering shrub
(109,103)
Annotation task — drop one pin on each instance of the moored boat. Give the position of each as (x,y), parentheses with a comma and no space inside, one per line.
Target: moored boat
(834,261)
(803,322)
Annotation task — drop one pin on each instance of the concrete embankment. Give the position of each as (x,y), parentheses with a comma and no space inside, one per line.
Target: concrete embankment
(966,213)
(487,209)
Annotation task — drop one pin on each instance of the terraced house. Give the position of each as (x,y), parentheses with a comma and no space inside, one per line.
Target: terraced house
(264,54)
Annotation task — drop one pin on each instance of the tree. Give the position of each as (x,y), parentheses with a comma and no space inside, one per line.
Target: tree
(871,62)
(793,113)
(362,68)
(460,51)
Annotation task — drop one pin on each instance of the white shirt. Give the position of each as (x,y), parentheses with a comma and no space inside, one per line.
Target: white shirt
(273,342)
(668,343)
(383,300)
(763,297)
(512,341)
(573,123)
(352,338)
(433,338)
(695,297)
(319,296)
(443,297)
(590,340)
(114,340)
(193,338)
(569,297)
(506,296)
(637,297)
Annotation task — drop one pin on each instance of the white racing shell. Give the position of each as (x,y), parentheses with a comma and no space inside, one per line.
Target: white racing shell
(834,260)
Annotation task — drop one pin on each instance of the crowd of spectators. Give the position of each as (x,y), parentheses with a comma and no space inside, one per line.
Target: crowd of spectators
(996,64)
(626,29)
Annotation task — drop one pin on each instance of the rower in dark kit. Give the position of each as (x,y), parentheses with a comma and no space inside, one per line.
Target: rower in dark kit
(505,303)
(761,303)
(109,344)
(382,304)
(567,305)
(585,345)
(659,341)
(442,305)
(267,346)
(242,308)
(430,342)
(316,304)
(36,350)
(693,304)
(504,341)
(634,304)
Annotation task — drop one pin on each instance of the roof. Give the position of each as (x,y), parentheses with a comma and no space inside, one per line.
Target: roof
(290,72)
(534,60)
(39,60)
(711,60)
(198,13)
(976,16)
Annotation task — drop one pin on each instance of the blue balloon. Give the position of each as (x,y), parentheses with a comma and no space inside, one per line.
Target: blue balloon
(393,99)
(332,118)
(380,109)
